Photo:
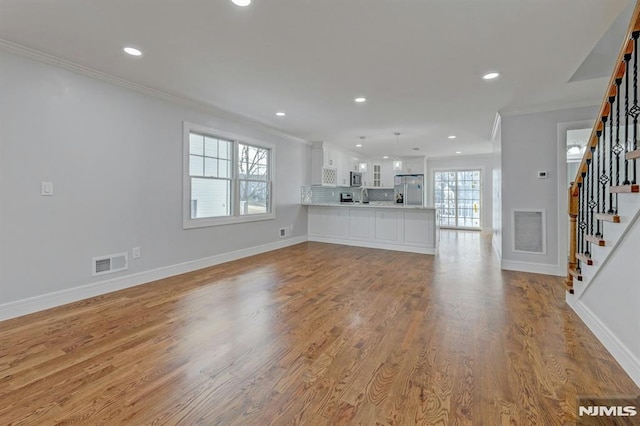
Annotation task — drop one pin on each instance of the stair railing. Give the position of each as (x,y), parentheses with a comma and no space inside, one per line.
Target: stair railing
(608,166)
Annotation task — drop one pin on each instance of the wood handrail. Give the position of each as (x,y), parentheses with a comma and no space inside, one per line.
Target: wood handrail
(617,73)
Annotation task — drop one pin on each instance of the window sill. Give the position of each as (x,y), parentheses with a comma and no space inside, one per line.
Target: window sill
(228,220)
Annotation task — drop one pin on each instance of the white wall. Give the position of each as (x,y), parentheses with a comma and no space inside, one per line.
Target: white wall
(496,197)
(609,303)
(460,162)
(115,158)
(529,145)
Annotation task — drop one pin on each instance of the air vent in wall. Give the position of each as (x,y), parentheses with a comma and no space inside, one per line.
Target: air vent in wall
(529,231)
(110,263)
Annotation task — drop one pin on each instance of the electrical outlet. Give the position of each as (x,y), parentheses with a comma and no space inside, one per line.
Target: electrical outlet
(135,253)
(283,232)
(333,193)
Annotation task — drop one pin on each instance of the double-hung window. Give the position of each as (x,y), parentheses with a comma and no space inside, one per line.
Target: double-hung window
(227,178)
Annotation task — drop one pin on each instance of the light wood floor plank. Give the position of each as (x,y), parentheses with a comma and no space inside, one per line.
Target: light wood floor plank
(314,334)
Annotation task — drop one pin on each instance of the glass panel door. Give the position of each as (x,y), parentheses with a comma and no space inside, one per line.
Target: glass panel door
(458,196)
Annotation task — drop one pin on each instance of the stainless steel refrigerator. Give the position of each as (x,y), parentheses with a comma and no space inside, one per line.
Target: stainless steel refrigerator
(409,190)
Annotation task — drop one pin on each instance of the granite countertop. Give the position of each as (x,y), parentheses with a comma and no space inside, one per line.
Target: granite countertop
(372,204)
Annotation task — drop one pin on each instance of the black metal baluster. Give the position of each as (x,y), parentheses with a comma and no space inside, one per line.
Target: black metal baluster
(592,183)
(582,225)
(617,148)
(579,230)
(627,58)
(599,147)
(610,177)
(635,110)
(591,203)
(603,169)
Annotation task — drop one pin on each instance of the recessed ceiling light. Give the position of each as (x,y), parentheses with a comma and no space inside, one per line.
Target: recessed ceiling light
(280,114)
(452,137)
(132,51)
(491,75)
(360,100)
(359,145)
(458,152)
(242,3)
(385,157)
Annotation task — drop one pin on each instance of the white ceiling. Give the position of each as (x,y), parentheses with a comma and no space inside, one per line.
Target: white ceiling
(419,63)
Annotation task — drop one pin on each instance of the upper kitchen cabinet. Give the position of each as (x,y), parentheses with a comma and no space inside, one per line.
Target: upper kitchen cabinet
(381,174)
(323,169)
(330,166)
(410,165)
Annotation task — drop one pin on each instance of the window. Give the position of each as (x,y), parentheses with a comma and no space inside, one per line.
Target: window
(227,178)
(457,196)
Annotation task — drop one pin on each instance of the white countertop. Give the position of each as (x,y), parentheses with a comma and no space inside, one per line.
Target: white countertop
(372,204)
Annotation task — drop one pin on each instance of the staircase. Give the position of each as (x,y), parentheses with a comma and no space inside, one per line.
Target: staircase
(603,271)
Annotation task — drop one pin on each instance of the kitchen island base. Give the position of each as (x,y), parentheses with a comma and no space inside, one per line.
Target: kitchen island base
(412,230)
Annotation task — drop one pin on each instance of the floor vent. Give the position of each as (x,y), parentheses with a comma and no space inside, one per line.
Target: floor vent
(110,263)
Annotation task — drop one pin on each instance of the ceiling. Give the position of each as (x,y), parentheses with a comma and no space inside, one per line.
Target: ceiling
(418,63)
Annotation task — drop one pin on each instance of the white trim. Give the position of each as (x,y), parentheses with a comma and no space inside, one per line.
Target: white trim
(174,99)
(235,217)
(374,245)
(544,231)
(563,188)
(627,360)
(51,300)
(535,268)
(507,112)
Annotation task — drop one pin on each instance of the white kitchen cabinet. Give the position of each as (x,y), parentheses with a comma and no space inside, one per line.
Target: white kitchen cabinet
(413,165)
(323,169)
(328,221)
(360,224)
(386,174)
(417,230)
(387,225)
(402,229)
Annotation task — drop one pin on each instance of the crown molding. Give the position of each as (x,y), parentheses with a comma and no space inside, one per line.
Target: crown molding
(178,100)
(481,156)
(506,112)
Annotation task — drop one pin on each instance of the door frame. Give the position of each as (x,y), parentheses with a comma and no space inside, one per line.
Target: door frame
(461,169)
(563,203)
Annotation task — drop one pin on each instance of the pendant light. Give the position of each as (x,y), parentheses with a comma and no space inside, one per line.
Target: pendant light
(397,163)
(362,166)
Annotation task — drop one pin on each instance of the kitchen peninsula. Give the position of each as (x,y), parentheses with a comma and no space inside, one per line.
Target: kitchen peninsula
(378,224)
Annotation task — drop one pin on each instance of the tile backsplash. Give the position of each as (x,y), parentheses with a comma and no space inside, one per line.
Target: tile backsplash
(325,194)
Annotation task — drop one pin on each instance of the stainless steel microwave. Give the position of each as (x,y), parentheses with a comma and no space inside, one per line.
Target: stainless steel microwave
(355,178)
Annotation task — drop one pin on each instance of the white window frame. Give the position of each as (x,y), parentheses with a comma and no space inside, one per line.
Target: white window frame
(235,217)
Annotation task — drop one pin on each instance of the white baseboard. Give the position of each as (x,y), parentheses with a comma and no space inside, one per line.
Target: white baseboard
(627,360)
(536,268)
(58,298)
(375,245)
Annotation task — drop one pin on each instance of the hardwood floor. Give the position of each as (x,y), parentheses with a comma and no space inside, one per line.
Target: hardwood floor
(313,334)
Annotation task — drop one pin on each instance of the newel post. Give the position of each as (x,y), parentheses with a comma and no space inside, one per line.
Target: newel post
(573,234)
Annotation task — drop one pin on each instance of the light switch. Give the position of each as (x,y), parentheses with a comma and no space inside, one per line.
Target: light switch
(46,188)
